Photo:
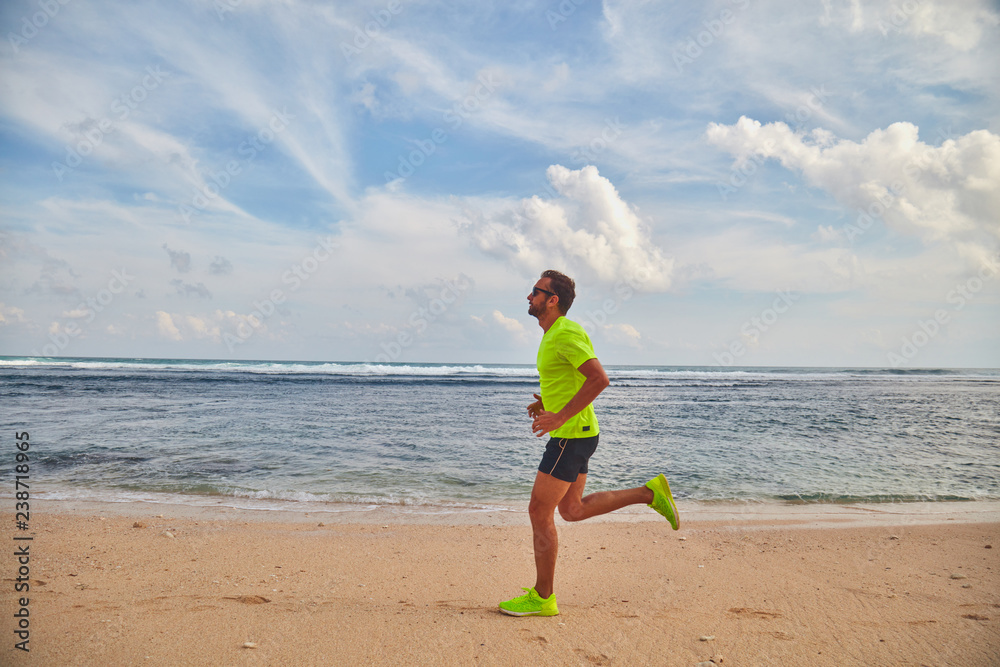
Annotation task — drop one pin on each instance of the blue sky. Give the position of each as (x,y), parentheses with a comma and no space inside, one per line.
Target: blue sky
(742,182)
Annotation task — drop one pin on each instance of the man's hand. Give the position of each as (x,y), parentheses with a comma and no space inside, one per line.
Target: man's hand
(545,422)
(541,421)
(535,408)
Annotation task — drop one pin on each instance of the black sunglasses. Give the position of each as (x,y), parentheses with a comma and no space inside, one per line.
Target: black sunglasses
(536,290)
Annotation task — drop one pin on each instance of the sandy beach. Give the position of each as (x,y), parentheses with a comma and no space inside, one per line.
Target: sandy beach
(117,584)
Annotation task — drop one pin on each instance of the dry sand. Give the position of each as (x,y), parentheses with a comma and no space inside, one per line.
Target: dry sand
(793,585)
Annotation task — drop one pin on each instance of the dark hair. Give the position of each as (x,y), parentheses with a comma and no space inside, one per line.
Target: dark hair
(563,286)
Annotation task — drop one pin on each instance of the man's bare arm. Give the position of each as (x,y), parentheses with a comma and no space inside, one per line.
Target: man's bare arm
(596,382)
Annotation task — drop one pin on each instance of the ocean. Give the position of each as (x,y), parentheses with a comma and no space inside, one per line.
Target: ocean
(339,436)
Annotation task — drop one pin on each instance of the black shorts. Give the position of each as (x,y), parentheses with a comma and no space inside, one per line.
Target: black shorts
(566,458)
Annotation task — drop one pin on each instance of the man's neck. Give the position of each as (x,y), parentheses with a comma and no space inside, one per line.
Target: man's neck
(550,319)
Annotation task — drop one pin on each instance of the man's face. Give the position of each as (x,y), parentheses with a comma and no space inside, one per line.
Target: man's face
(538,300)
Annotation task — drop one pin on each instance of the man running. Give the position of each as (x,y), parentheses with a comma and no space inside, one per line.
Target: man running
(571,378)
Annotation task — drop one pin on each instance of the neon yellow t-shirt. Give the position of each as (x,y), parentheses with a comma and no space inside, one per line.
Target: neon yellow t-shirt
(564,348)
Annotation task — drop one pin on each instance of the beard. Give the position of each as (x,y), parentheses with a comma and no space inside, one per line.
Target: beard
(538,311)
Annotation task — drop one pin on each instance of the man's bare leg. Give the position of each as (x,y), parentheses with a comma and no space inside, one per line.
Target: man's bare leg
(545,497)
(550,493)
(576,507)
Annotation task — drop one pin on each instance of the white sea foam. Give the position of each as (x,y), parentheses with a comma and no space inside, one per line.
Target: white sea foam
(276,367)
(271,501)
(670,373)
(348,368)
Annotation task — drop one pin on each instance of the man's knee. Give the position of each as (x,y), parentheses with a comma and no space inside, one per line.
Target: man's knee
(572,512)
(539,509)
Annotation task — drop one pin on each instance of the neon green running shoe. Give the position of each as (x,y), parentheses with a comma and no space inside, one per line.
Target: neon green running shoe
(663,500)
(530,604)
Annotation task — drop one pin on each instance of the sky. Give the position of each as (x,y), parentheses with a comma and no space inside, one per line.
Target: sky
(730,183)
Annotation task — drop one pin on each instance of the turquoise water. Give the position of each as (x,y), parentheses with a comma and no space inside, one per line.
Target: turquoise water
(432,434)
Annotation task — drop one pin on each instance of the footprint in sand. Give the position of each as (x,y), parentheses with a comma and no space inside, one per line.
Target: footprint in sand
(756,613)
(591,658)
(537,638)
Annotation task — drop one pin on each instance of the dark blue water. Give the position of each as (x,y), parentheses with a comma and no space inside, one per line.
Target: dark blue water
(435,434)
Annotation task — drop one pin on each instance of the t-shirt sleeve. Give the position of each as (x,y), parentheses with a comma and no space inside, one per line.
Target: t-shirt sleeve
(577,349)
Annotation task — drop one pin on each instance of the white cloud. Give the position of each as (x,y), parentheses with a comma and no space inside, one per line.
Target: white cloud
(943,193)
(623,334)
(514,329)
(588,230)
(510,324)
(828,234)
(10,314)
(213,326)
(958,23)
(165,325)
(202,328)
